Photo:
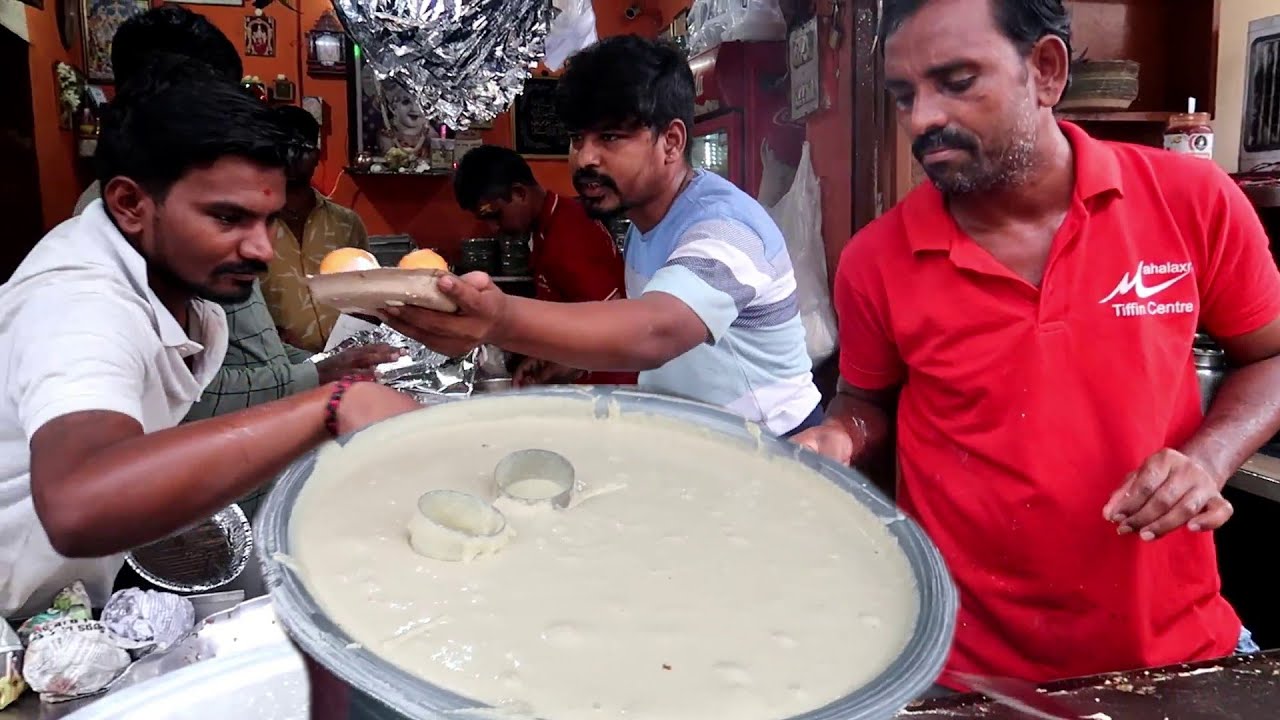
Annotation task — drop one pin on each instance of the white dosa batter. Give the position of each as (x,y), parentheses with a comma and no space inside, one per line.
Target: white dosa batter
(717,583)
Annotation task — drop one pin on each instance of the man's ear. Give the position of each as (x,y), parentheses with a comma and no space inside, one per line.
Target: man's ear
(674,140)
(128,203)
(1050,68)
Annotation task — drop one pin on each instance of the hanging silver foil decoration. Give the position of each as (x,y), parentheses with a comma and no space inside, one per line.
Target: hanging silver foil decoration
(464,60)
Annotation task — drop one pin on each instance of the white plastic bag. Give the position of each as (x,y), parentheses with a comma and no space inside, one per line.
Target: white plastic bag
(712,22)
(799,215)
(572,30)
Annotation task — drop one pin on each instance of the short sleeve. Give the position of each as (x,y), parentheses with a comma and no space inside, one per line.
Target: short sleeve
(869,358)
(717,268)
(76,351)
(1241,286)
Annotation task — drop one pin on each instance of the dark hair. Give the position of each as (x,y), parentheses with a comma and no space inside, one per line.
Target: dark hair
(487,172)
(175,30)
(1024,22)
(626,81)
(299,122)
(177,114)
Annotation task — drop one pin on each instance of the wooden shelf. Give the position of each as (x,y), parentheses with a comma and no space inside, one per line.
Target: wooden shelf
(362,172)
(1130,116)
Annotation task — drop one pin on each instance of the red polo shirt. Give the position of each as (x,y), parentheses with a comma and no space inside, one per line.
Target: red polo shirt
(1024,408)
(574,259)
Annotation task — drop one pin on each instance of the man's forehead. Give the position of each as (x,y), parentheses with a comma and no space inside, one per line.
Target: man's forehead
(941,32)
(235,182)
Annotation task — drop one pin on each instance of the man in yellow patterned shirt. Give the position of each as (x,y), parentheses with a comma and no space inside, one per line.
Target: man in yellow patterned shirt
(309,227)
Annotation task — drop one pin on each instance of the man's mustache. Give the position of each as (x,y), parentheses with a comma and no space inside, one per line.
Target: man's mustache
(943,138)
(584,177)
(248,267)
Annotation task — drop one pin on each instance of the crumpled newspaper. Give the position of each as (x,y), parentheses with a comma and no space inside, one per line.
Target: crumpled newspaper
(71,601)
(11,683)
(421,372)
(69,654)
(146,620)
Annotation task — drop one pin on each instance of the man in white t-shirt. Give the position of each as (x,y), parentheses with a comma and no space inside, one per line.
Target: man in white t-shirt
(110,329)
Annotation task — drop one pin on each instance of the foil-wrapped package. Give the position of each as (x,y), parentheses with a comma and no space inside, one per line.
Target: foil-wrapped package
(146,620)
(466,60)
(421,372)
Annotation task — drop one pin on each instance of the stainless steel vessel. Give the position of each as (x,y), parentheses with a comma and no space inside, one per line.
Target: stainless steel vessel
(352,683)
(1211,369)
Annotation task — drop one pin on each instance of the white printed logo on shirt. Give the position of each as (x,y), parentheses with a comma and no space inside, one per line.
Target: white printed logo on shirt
(1146,282)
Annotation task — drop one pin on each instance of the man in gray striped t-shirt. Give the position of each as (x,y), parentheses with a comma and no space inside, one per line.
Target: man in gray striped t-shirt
(717,251)
(711,311)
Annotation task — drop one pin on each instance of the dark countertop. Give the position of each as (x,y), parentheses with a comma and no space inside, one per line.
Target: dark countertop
(1236,688)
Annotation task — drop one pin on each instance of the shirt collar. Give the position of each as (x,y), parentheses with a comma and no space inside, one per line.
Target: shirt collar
(929,224)
(125,256)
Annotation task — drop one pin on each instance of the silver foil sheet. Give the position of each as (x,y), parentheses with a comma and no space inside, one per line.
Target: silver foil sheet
(464,60)
(423,373)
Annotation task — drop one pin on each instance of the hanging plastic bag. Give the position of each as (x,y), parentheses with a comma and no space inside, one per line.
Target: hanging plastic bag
(712,22)
(799,215)
(572,30)
(776,177)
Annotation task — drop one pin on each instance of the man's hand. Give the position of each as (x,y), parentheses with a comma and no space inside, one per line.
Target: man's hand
(831,440)
(366,403)
(356,361)
(1169,490)
(533,371)
(481,308)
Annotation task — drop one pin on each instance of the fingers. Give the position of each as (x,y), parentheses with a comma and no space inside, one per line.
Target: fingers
(1178,488)
(523,372)
(441,343)
(1137,488)
(1212,516)
(1160,520)
(465,291)
(830,442)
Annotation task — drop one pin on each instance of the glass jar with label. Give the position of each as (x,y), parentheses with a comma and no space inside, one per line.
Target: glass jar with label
(1190,134)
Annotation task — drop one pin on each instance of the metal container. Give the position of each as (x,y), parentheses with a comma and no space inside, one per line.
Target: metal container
(1211,370)
(352,683)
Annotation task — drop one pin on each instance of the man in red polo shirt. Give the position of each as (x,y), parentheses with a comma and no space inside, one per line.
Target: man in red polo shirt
(1033,310)
(573,257)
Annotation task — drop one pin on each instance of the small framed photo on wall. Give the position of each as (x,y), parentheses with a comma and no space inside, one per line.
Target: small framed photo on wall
(260,36)
(99,20)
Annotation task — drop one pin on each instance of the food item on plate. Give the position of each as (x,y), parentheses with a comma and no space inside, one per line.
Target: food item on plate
(351,280)
(347,259)
(423,260)
(694,578)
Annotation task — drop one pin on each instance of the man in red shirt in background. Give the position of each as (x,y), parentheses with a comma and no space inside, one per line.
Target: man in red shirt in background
(573,257)
(1033,310)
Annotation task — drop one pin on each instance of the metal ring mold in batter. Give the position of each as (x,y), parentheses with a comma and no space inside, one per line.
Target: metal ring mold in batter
(456,527)
(535,477)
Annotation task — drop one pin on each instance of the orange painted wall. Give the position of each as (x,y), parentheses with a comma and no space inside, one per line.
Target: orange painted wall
(55,148)
(423,207)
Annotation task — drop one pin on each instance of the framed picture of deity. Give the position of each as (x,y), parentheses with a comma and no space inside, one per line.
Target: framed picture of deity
(99,20)
(387,126)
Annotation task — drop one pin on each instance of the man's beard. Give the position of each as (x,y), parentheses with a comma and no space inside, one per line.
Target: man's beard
(204,292)
(1005,168)
(583,177)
